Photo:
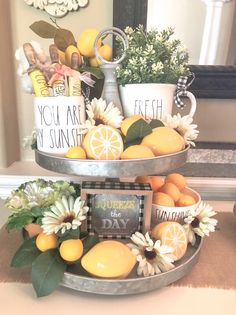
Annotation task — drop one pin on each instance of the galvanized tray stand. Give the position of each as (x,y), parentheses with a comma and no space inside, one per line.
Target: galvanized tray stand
(111,168)
(134,284)
(75,279)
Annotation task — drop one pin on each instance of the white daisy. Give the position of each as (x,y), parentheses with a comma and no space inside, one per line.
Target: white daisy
(100,113)
(183,125)
(152,257)
(65,214)
(200,222)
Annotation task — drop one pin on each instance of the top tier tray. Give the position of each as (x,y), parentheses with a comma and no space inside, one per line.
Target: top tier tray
(111,168)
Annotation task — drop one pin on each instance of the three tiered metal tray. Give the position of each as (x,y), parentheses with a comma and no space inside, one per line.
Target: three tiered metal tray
(75,279)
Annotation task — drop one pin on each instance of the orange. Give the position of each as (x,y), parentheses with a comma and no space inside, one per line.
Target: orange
(127,122)
(156,182)
(105,51)
(76,152)
(86,42)
(33,229)
(171,190)
(163,141)
(137,152)
(177,179)
(185,200)
(172,234)
(71,250)
(103,143)
(162,199)
(68,53)
(45,242)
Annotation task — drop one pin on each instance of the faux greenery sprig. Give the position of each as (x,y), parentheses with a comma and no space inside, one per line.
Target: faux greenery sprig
(152,57)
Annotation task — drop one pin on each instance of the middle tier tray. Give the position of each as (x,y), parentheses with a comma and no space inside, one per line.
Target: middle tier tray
(112,168)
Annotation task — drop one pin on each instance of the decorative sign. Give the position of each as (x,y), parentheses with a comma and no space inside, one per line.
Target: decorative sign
(57,8)
(57,121)
(117,210)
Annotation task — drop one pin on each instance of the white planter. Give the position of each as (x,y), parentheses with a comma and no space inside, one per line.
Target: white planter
(57,122)
(151,100)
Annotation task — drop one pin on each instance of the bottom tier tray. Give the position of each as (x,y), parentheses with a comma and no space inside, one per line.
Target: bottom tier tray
(133,284)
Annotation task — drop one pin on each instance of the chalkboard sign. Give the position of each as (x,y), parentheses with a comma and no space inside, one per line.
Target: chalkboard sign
(117,209)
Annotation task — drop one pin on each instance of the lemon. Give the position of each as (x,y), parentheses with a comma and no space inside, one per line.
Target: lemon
(71,250)
(105,51)
(62,57)
(127,122)
(103,143)
(164,140)
(76,152)
(172,234)
(68,53)
(85,43)
(45,242)
(137,152)
(109,259)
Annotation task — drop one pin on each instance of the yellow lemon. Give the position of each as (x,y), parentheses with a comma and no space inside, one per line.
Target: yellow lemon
(163,141)
(71,250)
(105,51)
(45,242)
(68,53)
(62,57)
(137,152)
(127,122)
(172,234)
(103,143)
(76,152)
(86,41)
(109,259)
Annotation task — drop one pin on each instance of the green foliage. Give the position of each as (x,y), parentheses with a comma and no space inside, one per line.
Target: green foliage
(154,123)
(26,254)
(47,272)
(152,57)
(18,220)
(136,132)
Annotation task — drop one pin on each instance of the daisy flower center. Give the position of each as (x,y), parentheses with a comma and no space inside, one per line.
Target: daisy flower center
(195,223)
(69,218)
(150,254)
(99,121)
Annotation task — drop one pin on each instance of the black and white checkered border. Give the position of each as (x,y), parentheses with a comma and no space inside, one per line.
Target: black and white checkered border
(115,236)
(115,185)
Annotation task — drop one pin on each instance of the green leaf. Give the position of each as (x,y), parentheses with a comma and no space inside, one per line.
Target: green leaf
(133,142)
(64,38)
(19,220)
(138,129)
(68,235)
(97,72)
(154,123)
(26,254)
(89,242)
(37,211)
(43,29)
(47,272)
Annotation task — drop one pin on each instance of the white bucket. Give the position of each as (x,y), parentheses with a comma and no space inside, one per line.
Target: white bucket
(57,122)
